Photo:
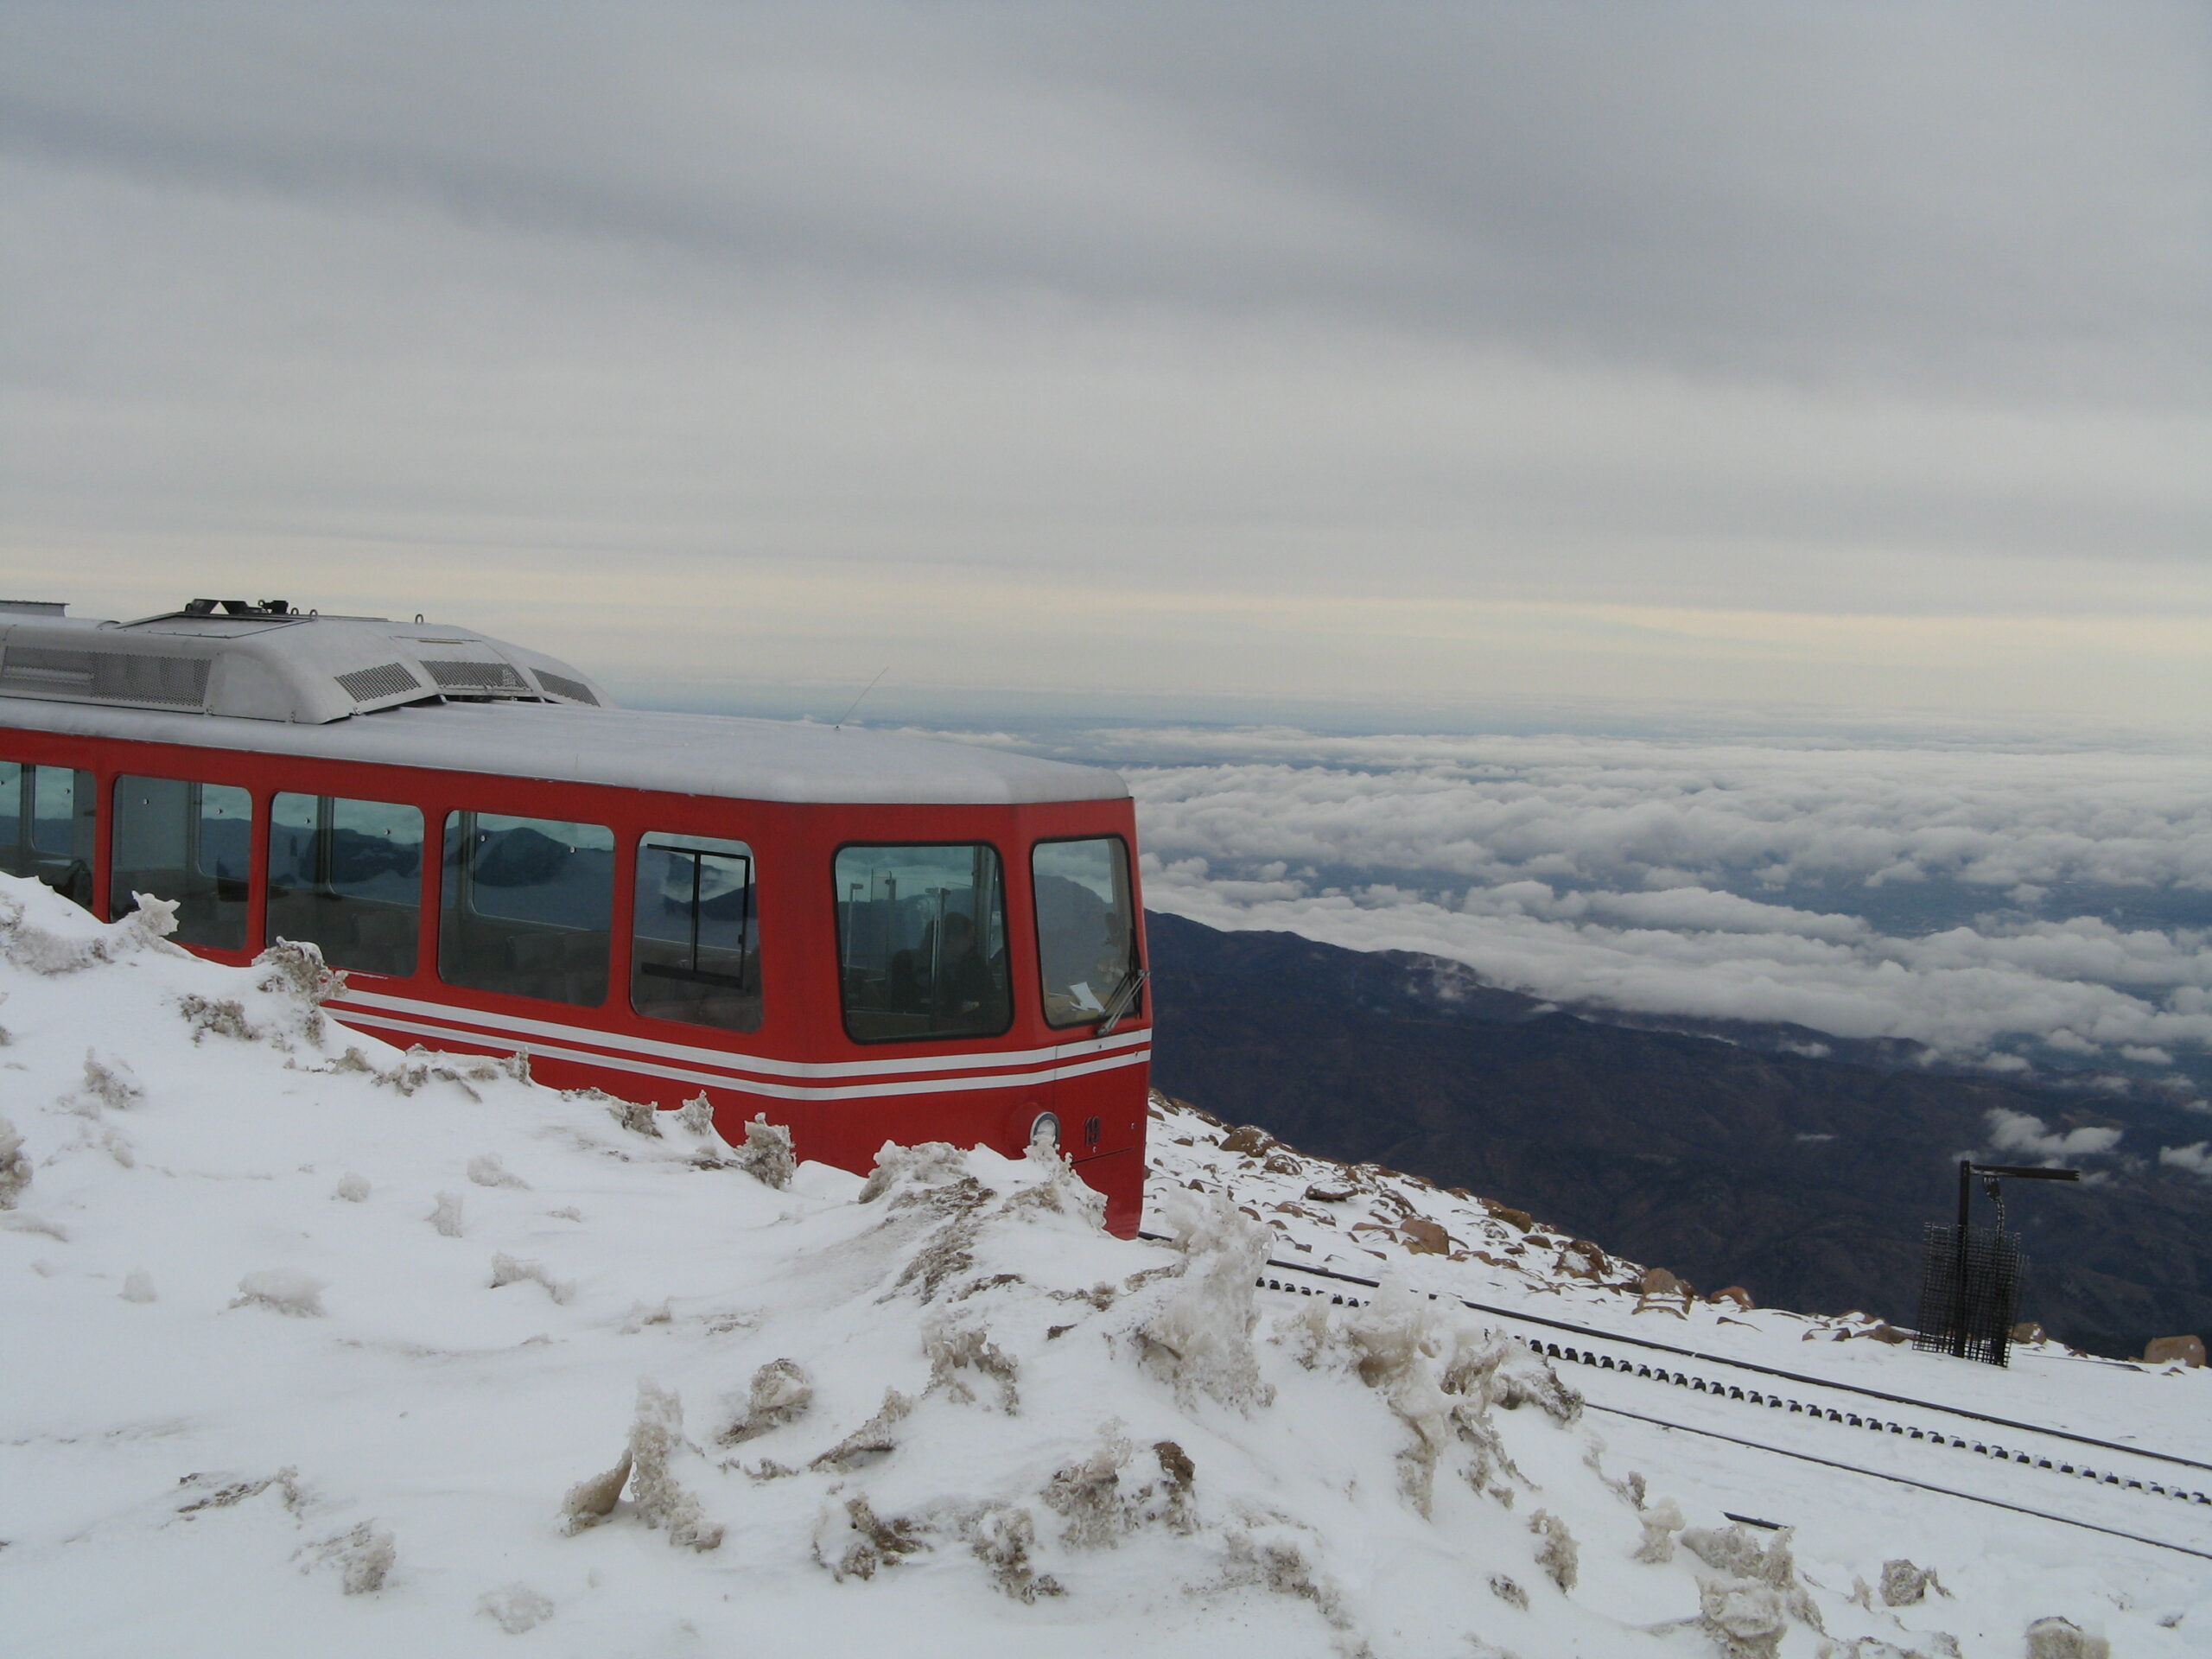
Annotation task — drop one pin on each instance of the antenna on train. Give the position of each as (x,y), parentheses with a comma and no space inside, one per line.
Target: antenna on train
(865,689)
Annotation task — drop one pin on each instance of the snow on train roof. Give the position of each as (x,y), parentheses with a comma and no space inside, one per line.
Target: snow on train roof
(693,755)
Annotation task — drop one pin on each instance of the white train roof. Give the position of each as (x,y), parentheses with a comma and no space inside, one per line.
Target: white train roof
(567,733)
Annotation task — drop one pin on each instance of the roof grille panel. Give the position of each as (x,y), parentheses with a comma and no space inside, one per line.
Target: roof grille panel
(109,676)
(561,686)
(385,680)
(460,677)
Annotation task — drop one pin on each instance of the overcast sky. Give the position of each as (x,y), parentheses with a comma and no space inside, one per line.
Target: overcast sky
(1852,356)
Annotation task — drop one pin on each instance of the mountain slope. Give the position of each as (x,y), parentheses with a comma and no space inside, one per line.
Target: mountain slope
(1806,1180)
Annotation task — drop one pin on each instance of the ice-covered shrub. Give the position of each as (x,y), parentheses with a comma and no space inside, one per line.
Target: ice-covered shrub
(592,1499)
(2062,1638)
(1201,1341)
(1661,1523)
(780,1394)
(851,1542)
(15,1167)
(960,1350)
(216,1016)
(871,1441)
(1745,1620)
(445,1214)
(486,1170)
(285,1289)
(1555,1549)
(933,1163)
(766,1153)
(364,1557)
(1087,1494)
(511,1270)
(662,1501)
(1002,1538)
(109,1084)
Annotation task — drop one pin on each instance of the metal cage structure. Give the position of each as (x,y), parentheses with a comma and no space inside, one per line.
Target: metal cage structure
(1969,1289)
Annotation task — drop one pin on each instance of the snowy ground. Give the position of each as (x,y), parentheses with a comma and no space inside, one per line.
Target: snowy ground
(312,1346)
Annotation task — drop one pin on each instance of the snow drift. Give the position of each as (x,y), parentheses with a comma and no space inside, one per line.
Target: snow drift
(315,1342)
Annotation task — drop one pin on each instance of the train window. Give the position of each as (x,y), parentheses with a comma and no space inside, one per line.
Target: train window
(189,842)
(921,939)
(46,827)
(348,876)
(1086,928)
(695,955)
(527,906)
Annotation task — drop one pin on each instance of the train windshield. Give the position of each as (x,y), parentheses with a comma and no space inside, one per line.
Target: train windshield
(1086,928)
(921,936)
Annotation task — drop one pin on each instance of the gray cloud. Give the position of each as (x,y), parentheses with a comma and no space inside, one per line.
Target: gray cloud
(1796,182)
(1177,320)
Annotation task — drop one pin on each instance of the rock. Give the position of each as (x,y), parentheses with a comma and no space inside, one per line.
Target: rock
(1581,1259)
(1251,1141)
(1320,1194)
(2028,1331)
(1657,1282)
(1424,1236)
(2175,1350)
(1735,1294)
(2062,1638)
(1888,1334)
(1519,1220)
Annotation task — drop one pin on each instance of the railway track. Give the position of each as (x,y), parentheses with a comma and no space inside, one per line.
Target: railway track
(1749,1396)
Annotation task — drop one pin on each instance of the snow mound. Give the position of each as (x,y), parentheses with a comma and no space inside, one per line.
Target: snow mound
(646,1393)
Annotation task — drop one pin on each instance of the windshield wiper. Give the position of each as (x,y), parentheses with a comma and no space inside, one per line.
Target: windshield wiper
(1123,1001)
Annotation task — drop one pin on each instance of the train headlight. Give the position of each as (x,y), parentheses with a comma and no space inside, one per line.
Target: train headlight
(1045,1127)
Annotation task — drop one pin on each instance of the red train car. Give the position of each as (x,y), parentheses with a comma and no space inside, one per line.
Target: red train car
(867,937)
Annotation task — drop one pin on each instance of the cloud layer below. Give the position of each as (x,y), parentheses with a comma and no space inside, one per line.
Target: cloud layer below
(1999,907)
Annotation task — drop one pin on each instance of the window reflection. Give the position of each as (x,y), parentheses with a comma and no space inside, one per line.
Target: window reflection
(921,936)
(528,905)
(347,876)
(189,842)
(1086,928)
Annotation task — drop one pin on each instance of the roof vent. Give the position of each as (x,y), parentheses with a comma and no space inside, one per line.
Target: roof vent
(385,680)
(109,676)
(561,685)
(460,678)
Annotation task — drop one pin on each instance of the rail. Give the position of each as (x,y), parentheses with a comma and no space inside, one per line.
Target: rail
(1583,1352)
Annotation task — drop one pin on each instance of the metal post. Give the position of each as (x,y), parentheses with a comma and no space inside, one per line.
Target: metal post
(1958,1260)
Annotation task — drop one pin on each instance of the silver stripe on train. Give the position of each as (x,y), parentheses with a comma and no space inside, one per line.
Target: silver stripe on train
(747,1085)
(623,1042)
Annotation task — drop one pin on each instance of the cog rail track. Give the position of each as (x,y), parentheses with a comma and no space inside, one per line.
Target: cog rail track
(1751,1386)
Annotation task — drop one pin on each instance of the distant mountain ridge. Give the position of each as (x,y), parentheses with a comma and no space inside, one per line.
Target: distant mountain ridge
(1742,1156)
